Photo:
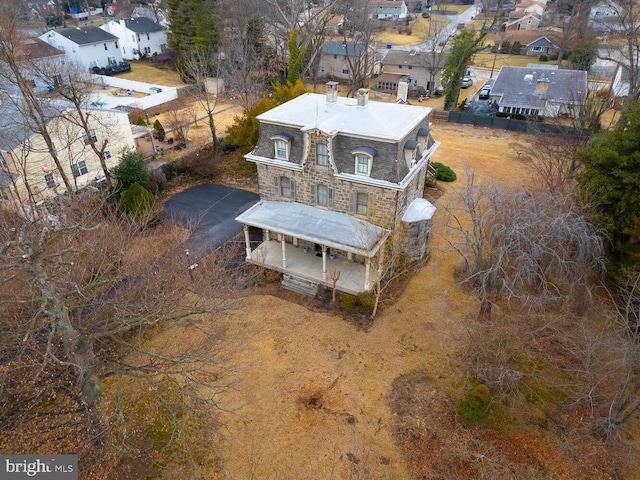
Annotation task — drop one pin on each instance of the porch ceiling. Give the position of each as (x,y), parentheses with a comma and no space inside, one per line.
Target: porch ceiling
(325,227)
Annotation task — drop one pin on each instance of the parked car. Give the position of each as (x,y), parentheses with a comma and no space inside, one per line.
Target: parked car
(467,82)
(486,90)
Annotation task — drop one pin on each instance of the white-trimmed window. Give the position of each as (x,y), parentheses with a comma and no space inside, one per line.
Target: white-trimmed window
(50,180)
(107,154)
(323,195)
(362,202)
(79,168)
(282,146)
(286,186)
(322,154)
(363,164)
(94,137)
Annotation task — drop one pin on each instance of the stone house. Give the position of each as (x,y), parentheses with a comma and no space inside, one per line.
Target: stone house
(341,183)
(417,68)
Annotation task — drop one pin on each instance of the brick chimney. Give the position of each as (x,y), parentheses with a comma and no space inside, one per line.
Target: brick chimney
(363,97)
(332,92)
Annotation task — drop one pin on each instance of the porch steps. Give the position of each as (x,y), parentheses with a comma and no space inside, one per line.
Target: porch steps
(299,285)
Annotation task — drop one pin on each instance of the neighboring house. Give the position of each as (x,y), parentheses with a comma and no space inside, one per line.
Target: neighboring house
(620,85)
(413,67)
(87,46)
(335,64)
(388,9)
(139,37)
(528,21)
(25,158)
(37,58)
(532,42)
(539,90)
(341,183)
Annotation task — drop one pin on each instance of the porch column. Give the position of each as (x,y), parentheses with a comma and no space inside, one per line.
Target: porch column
(284,253)
(295,241)
(324,263)
(246,241)
(267,235)
(367,272)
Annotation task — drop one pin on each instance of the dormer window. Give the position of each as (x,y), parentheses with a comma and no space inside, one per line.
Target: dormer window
(411,152)
(425,139)
(282,146)
(322,154)
(364,160)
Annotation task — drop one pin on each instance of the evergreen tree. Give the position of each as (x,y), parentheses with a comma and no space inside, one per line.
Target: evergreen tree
(296,56)
(610,179)
(131,169)
(465,45)
(158,130)
(193,25)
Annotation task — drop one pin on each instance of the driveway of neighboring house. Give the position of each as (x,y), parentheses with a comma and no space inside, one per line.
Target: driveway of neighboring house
(210,211)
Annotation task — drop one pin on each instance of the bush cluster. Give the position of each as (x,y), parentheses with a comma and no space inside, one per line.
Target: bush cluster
(474,407)
(446,174)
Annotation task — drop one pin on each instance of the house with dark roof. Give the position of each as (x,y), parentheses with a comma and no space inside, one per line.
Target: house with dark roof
(532,42)
(38,62)
(337,60)
(87,46)
(139,37)
(341,186)
(541,90)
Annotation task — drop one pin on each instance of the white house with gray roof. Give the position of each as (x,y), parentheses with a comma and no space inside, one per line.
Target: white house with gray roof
(541,90)
(138,36)
(341,183)
(87,46)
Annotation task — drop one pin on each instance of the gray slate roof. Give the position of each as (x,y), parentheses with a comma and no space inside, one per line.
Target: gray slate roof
(333,229)
(142,25)
(533,87)
(86,35)
(344,49)
(413,58)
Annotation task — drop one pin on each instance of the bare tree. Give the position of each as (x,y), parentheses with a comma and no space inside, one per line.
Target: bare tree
(197,67)
(18,89)
(358,37)
(514,243)
(179,121)
(82,292)
(623,44)
(432,59)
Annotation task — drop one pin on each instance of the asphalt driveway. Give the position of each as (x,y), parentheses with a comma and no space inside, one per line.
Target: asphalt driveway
(210,210)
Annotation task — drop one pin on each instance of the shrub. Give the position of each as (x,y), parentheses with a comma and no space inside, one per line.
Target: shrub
(474,407)
(348,302)
(543,58)
(139,203)
(367,300)
(141,121)
(158,130)
(131,169)
(553,57)
(425,15)
(444,173)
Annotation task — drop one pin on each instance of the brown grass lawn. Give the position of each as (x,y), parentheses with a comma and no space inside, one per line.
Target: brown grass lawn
(292,353)
(145,72)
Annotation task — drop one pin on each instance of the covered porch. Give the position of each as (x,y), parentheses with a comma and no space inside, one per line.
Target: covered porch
(315,244)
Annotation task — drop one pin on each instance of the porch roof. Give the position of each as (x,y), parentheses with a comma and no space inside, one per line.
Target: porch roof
(325,227)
